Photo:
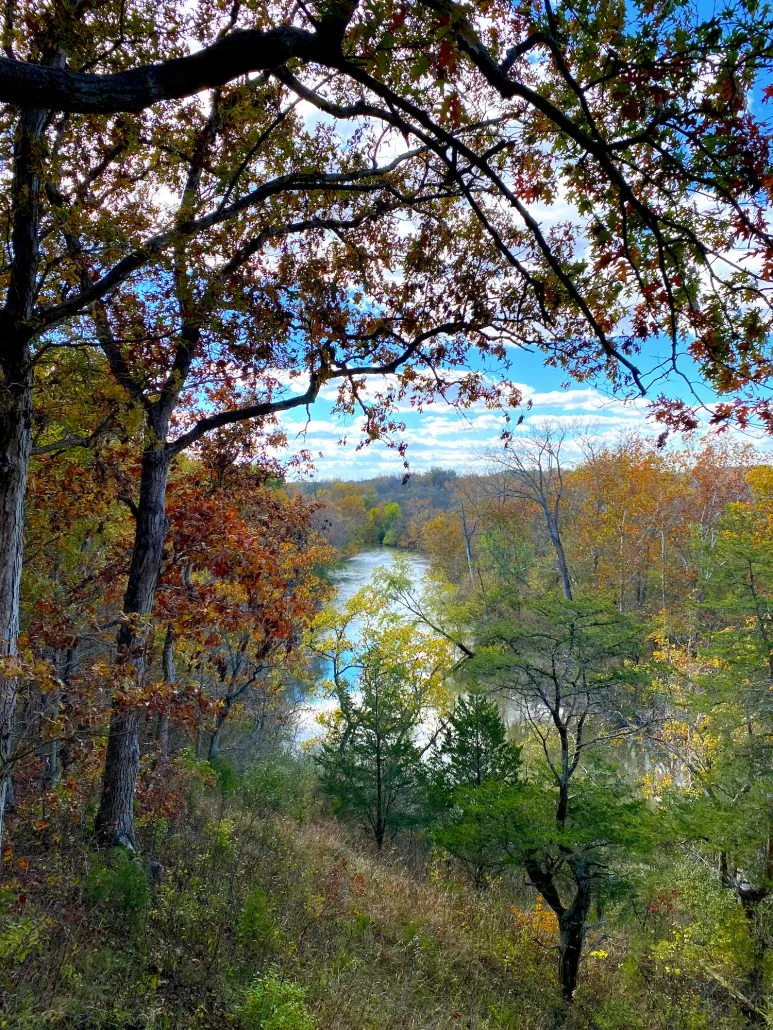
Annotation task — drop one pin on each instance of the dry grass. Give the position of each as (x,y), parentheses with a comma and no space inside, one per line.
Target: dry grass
(399,950)
(377,942)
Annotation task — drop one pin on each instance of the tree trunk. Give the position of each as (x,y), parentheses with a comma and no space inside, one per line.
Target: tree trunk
(15,449)
(555,539)
(115,819)
(571,919)
(467,533)
(468,553)
(380,821)
(51,751)
(16,402)
(213,751)
(49,754)
(170,677)
(641,591)
(162,734)
(571,926)
(49,747)
(379,834)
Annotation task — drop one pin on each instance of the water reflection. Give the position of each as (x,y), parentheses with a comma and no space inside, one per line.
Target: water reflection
(357,571)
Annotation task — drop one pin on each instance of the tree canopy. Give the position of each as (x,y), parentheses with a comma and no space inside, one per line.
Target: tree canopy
(637,116)
(241,205)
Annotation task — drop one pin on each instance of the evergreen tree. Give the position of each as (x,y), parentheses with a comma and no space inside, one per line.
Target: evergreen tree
(474,746)
(388,679)
(369,760)
(472,784)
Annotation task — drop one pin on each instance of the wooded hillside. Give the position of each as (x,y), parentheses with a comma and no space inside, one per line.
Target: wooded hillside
(541,795)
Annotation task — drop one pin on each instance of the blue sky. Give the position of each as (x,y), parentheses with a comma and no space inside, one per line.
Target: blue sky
(442,436)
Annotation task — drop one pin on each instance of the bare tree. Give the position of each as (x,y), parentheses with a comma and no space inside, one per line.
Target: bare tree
(529,469)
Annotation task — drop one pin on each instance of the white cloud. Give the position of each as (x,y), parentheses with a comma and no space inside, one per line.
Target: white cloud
(449,438)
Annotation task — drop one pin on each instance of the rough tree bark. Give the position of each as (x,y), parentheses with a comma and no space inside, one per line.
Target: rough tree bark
(571,931)
(114,824)
(15,447)
(213,751)
(572,918)
(239,53)
(16,407)
(170,677)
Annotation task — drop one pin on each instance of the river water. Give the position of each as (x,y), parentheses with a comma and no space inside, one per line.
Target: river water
(349,577)
(357,571)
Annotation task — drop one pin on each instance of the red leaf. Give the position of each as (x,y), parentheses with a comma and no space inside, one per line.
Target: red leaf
(447,57)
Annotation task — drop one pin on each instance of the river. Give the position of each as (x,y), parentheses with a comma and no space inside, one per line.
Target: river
(358,570)
(349,577)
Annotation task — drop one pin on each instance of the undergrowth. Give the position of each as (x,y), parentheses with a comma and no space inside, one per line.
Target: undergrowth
(251,909)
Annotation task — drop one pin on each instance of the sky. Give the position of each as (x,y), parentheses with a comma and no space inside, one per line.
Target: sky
(444,437)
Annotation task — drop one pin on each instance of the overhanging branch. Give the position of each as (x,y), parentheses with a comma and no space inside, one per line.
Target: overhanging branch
(241,52)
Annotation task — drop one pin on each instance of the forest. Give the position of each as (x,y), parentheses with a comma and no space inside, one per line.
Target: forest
(557,745)
(530,787)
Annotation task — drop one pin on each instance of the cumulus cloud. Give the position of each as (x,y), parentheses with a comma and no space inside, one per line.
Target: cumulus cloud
(443,436)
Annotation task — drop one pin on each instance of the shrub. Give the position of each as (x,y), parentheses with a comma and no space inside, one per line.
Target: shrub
(275,1002)
(284,785)
(257,925)
(20,937)
(222,838)
(227,777)
(117,882)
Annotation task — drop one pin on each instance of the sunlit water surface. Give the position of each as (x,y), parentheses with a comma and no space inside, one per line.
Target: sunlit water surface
(353,574)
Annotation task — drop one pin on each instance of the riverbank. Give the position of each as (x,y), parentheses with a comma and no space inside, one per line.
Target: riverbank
(252,910)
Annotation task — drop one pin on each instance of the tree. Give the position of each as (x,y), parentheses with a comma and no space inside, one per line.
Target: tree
(740,585)
(474,746)
(718,716)
(239,587)
(85,224)
(384,518)
(191,356)
(441,538)
(629,500)
(567,671)
(530,470)
(76,533)
(388,679)
(473,774)
(369,758)
(501,111)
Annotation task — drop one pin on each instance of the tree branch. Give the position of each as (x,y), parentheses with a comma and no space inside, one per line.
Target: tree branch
(241,52)
(317,379)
